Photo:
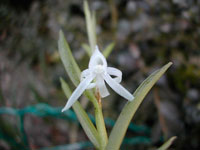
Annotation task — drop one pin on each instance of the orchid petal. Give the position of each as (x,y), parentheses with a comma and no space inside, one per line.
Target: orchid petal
(115,72)
(97,58)
(84,75)
(102,86)
(78,91)
(118,88)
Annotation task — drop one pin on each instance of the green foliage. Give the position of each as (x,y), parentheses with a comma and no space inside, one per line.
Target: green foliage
(91,26)
(119,130)
(68,61)
(71,66)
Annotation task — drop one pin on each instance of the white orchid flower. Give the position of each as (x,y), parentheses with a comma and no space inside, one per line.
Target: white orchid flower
(95,76)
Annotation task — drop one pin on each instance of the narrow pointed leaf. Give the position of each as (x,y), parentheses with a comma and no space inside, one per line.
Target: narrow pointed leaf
(71,66)
(90,23)
(94,28)
(167,144)
(108,49)
(67,58)
(123,121)
(83,118)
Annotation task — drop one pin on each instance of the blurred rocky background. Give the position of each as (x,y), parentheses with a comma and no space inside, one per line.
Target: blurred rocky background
(147,35)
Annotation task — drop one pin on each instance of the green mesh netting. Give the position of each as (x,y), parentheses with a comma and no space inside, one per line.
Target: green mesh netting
(44,110)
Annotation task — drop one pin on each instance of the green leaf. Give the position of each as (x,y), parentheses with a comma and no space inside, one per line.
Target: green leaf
(123,121)
(167,144)
(90,23)
(83,118)
(87,48)
(71,66)
(67,58)
(108,49)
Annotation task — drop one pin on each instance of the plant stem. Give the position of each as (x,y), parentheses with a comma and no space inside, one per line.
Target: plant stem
(101,129)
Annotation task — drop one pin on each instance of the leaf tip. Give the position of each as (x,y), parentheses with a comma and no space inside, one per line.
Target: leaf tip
(173,138)
(61,34)
(167,65)
(170,63)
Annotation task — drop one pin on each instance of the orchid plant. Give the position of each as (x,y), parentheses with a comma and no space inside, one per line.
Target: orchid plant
(95,77)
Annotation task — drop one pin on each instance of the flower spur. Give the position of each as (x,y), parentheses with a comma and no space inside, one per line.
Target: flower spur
(99,71)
